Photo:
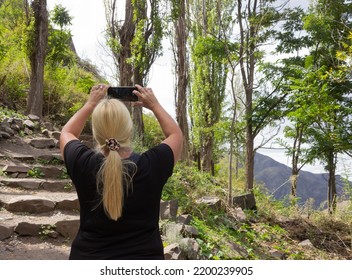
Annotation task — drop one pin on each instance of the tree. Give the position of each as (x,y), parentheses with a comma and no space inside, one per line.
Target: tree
(328,24)
(37,53)
(256,20)
(13,84)
(209,74)
(145,47)
(291,42)
(60,49)
(135,44)
(181,69)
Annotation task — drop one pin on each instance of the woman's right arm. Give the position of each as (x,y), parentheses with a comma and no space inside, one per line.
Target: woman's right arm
(171,130)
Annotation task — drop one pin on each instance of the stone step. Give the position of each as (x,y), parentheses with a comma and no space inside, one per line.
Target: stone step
(42,143)
(58,223)
(59,185)
(35,171)
(31,202)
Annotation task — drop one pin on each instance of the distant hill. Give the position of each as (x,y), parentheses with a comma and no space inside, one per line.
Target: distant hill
(276,178)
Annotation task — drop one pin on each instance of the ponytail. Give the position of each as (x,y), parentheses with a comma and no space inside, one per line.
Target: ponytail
(111,175)
(112,130)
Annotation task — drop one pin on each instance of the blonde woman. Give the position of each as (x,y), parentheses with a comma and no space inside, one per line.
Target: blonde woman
(119,191)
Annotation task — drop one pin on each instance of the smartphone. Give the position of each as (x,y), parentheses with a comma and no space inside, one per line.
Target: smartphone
(123,93)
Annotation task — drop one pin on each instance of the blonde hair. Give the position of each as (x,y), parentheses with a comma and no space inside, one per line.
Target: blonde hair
(111,119)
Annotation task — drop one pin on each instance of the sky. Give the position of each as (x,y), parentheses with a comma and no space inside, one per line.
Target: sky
(88,27)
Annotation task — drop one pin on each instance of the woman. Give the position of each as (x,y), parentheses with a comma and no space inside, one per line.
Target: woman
(119,191)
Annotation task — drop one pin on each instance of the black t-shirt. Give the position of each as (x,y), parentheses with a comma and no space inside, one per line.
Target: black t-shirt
(136,234)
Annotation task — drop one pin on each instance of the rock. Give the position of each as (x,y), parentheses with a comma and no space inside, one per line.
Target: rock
(190,231)
(168,209)
(42,143)
(30,204)
(57,185)
(34,117)
(67,204)
(275,254)
(29,124)
(306,243)
(4,135)
(16,169)
(189,249)
(49,126)
(18,122)
(184,219)
(45,132)
(174,232)
(27,131)
(51,171)
(211,202)
(5,127)
(246,201)
(23,157)
(172,252)
(28,184)
(240,215)
(15,127)
(6,231)
(56,135)
(28,229)
(68,228)
(237,250)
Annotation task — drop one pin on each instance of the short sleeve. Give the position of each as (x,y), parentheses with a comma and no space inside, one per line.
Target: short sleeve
(161,158)
(75,157)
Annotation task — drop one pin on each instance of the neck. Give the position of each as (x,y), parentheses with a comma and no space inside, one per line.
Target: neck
(125,152)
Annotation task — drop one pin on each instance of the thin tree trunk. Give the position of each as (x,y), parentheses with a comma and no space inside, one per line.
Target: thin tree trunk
(37,58)
(332,194)
(247,63)
(181,34)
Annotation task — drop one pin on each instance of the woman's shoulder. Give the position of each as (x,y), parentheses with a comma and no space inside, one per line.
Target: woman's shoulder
(160,156)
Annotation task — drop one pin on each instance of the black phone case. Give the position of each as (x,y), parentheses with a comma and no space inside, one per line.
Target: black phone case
(123,93)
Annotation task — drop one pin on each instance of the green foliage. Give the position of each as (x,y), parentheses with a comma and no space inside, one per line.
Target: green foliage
(213,48)
(187,184)
(153,133)
(146,45)
(64,175)
(66,83)
(59,51)
(61,16)
(6,113)
(35,172)
(46,230)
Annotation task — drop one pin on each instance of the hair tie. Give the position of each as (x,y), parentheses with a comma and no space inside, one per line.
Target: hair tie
(112,144)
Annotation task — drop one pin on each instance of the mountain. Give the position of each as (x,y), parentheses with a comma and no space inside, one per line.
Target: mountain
(275,177)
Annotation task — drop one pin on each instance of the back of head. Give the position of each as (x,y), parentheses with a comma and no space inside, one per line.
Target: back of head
(111,119)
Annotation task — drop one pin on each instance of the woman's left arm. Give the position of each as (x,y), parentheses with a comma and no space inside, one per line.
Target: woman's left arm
(73,128)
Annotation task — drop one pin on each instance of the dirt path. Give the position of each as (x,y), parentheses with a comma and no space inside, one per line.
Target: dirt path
(30,248)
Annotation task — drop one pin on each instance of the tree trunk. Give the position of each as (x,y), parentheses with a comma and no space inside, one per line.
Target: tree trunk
(249,162)
(137,112)
(181,34)
(125,35)
(247,67)
(296,151)
(332,183)
(37,58)
(207,156)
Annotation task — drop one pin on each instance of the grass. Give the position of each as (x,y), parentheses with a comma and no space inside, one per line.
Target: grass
(274,230)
